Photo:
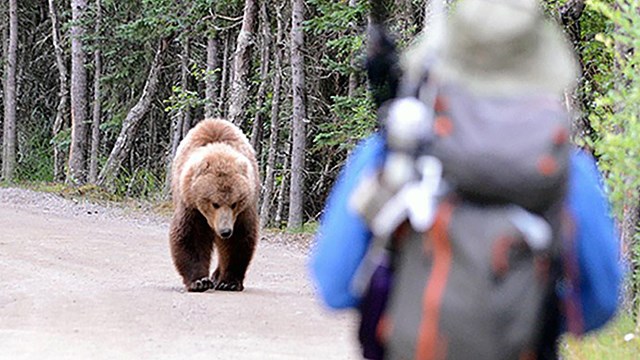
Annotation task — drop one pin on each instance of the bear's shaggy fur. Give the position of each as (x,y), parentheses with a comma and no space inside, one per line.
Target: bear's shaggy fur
(215,186)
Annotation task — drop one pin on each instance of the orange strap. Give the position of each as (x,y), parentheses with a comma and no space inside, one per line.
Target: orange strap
(429,346)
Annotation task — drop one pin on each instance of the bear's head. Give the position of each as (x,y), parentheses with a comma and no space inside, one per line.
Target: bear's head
(219,183)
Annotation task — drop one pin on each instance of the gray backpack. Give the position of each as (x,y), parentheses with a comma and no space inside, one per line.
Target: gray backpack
(479,284)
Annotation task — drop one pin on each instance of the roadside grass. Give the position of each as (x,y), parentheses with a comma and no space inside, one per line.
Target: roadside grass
(98,195)
(619,340)
(89,192)
(307,228)
(311,227)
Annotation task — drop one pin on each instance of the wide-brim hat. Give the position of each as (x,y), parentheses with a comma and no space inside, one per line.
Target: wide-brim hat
(502,47)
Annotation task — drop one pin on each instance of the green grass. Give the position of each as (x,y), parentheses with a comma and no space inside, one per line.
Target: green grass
(307,228)
(90,192)
(605,344)
(95,194)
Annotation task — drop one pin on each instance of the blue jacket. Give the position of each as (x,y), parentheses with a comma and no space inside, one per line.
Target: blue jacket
(591,292)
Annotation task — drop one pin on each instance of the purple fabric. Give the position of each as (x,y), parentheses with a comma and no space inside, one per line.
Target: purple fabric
(371,309)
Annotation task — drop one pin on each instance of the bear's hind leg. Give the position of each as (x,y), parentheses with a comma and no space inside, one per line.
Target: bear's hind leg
(191,243)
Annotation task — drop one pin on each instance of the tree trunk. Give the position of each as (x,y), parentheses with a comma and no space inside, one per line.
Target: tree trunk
(97,99)
(181,119)
(10,96)
(211,77)
(77,155)
(576,98)
(222,103)
(131,123)
(286,170)
(174,141)
(185,111)
(4,47)
(152,149)
(241,65)
(379,11)
(62,111)
(256,131)
(268,183)
(299,117)
(353,63)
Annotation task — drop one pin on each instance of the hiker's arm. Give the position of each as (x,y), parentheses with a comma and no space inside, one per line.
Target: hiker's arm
(343,236)
(596,244)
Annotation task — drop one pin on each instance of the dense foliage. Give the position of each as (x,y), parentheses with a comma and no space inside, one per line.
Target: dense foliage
(616,122)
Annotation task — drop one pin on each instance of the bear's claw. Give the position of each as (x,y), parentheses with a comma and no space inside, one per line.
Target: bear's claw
(229,285)
(200,285)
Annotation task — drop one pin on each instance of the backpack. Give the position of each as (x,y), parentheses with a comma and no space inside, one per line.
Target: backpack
(479,282)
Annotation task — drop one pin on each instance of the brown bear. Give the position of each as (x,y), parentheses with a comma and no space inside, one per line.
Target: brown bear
(215,185)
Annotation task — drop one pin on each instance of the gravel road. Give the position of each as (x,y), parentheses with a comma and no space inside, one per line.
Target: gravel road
(80,280)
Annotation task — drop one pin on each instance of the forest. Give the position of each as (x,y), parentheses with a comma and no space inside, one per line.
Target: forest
(100,93)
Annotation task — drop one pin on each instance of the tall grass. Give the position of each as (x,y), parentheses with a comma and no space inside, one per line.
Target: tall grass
(606,344)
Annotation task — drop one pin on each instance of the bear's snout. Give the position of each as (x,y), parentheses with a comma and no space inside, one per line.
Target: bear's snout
(223,222)
(226,233)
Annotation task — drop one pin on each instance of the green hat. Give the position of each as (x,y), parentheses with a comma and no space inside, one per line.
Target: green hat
(503,47)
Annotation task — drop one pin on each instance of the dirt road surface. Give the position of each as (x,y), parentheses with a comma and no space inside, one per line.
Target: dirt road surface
(82,281)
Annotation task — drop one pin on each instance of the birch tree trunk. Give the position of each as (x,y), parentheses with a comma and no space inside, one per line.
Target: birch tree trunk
(256,131)
(10,96)
(181,119)
(77,172)
(296,189)
(133,119)
(97,99)
(4,47)
(286,171)
(62,110)
(241,65)
(224,79)
(174,141)
(268,183)
(185,111)
(211,76)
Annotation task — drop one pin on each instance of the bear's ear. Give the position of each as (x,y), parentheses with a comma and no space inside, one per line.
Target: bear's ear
(243,167)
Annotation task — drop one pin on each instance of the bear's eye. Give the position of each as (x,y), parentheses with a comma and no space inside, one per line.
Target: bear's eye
(233,206)
(216,205)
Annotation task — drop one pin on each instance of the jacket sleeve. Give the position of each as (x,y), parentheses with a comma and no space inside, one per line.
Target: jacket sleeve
(594,290)
(343,237)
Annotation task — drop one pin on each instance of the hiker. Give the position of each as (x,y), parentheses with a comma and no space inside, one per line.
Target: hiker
(490,50)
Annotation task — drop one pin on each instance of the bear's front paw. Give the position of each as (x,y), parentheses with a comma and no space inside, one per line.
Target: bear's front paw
(200,285)
(232,285)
